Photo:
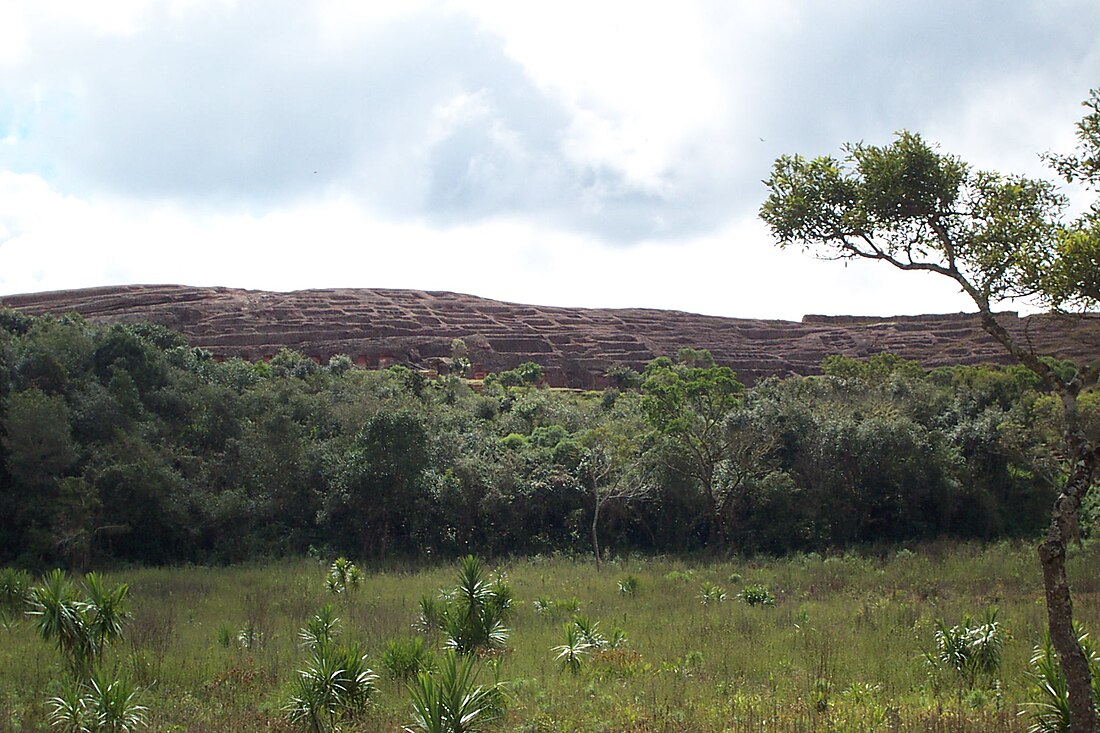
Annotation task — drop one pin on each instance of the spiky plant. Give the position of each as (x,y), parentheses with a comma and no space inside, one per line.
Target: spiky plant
(972,649)
(80,626)
(335,684)
(711,593)
(571,654)
(103,705)
(590,631)
(403,659)
(14,589)
(343,576)
(472,614)
(450,700)
(321,629)
(628,586)
(757,595)
(115,704)
(1048,696)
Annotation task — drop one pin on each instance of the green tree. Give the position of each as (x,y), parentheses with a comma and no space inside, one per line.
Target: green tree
(611,472)
(997,237)
(688,404)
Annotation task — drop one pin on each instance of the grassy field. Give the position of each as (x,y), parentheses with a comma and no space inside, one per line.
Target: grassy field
(842,649)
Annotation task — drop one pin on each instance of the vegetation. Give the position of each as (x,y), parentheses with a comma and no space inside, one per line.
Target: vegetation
(121,447)
(120,444)
(997,237)
(843,648)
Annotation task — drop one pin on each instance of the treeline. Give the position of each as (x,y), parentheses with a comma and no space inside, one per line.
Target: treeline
(121,443)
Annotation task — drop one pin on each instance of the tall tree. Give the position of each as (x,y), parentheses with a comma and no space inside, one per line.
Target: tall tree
(687,402)
(998,237)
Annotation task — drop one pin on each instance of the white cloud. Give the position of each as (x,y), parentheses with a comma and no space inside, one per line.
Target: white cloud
(575,153)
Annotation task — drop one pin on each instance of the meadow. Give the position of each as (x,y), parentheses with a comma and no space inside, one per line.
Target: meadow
(842,649)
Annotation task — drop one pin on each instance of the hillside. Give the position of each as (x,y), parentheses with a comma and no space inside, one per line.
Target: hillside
(377,327)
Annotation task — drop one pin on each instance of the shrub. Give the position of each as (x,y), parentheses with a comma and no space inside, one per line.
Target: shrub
(472,614)
(102,705)
(335,685)
(972,650)
(571,654)
(81,626)
(711,593)
(14,589)
(1048,697)
(404,659)
(450,700)
(343,576)
(757,595)
(628,586)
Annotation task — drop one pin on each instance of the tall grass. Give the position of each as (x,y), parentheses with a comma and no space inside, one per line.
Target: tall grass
(844,648)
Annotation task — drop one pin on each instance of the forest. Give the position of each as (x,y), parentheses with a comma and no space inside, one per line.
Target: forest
(122,444)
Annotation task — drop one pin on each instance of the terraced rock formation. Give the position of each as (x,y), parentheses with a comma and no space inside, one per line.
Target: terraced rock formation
(575,346)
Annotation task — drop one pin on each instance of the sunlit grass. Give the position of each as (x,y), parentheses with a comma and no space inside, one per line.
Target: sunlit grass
(842,649)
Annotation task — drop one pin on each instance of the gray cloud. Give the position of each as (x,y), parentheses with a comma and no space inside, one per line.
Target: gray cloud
(250,107)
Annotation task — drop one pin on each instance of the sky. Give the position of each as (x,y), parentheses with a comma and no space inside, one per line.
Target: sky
(593,154)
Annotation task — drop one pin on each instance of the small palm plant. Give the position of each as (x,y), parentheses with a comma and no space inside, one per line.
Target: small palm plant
(628,586)
(590,632)
(571,654)
(757,595)
(321,629)
(1048,696)
(403,659)
(335,684)
(711,593)
(972,649)
(103,705)
(14,589)
(472,614)
(450,700)
(343,576)
(80,626)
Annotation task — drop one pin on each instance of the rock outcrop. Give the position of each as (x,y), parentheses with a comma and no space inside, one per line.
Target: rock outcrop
(575,346)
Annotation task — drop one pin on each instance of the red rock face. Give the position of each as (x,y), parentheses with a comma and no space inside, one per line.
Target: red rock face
(575,346)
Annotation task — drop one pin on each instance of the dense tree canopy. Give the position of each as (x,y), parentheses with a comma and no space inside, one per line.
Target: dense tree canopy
(121,443)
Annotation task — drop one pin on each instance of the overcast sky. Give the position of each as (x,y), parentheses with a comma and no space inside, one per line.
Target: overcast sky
(568,153)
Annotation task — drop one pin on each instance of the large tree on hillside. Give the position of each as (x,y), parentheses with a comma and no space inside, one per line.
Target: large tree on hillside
(998,237)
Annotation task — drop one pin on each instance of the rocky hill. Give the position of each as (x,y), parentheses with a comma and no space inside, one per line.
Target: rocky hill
(575,346)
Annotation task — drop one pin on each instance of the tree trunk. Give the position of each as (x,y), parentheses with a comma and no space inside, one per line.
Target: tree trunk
(1052,555)
(595,535)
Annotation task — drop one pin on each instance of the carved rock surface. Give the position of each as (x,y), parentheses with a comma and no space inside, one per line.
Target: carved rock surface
(575,346)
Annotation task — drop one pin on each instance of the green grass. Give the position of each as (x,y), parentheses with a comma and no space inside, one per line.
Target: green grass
(842,649)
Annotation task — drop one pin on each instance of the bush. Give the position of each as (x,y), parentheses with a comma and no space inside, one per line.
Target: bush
(1048,697)
(404,659)
(450,700)
(972,650)
(343,576)
(757,595)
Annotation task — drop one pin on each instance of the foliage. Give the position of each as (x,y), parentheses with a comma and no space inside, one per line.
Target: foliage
(1047,705)
(472,614)
(757,595)
(404,659)
(712,593)
(81,625)
(101,705)
(15,587)
(971,650)
(343,576)
(335,685)
(628,585)
(576,646)
(450,700)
